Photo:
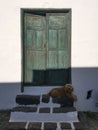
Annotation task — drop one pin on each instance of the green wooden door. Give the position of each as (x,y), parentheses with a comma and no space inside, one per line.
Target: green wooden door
(58,50)
(47,49)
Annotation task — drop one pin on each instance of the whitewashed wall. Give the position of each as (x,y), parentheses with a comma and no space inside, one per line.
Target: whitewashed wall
(84,46)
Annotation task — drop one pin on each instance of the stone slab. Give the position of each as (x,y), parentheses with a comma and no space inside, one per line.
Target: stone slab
(16,126)
(34,126)
(64,110)
(50,126)
(24,109)
(27,99)
(45,99)
(44,110)
(64,126)
(63,101)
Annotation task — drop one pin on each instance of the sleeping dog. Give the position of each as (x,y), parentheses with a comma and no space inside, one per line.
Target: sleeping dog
(65,91)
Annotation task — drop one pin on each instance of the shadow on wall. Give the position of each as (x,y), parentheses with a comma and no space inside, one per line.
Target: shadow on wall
(84,80)
(8,92)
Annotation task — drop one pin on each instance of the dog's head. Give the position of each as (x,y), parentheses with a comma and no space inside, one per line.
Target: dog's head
(68,88)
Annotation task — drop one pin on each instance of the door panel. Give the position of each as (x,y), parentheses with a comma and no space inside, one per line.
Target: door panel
(30,39)
(56,20)
(39,60)
(63,59)
(39,40)
(62,39)
(52,39)
(52,60)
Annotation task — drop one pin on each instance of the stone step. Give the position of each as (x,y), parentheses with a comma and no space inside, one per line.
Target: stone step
(27,99)
(44,126)
(44,117)
(43,109)
(38,99)
(24,109)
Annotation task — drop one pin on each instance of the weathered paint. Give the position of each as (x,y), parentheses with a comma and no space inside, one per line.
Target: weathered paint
(47,42)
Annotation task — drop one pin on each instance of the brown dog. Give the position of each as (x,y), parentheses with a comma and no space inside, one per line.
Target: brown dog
(66,90)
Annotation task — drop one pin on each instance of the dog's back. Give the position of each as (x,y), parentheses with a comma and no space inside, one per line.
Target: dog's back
(57,92)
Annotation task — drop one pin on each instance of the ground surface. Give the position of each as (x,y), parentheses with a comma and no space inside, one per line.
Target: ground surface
(88,119)
(4,119)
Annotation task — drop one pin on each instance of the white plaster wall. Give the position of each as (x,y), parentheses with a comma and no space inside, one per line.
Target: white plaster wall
(84,45)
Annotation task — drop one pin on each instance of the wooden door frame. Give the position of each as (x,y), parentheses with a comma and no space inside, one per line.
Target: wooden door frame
(38,11)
